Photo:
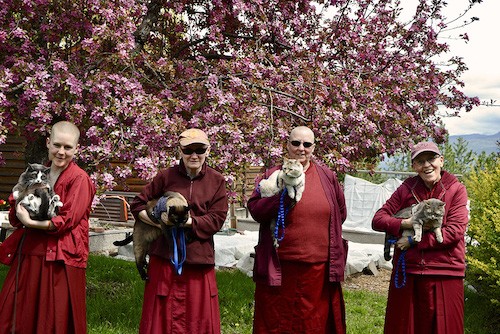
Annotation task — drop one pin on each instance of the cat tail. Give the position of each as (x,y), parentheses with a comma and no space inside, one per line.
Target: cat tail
(389,241)
(124,242)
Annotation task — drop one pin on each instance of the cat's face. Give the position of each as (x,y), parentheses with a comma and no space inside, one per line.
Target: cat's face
(36,173)
(434,209)
(292,167)
(178,214)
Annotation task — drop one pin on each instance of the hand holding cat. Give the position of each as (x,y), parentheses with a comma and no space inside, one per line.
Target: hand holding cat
(24,217)
(406,224)
(143,215)
(403,243)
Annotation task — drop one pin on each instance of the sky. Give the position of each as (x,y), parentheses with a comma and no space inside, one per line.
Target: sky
(481,55)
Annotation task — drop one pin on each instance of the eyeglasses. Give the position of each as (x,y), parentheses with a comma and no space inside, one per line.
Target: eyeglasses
(421,162)
(297,143)
(189,151)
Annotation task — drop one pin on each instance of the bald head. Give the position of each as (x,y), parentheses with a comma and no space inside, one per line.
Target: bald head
(302,131)
(66,127)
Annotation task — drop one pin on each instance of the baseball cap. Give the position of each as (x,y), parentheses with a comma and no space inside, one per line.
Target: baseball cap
(193,136)
(426,146)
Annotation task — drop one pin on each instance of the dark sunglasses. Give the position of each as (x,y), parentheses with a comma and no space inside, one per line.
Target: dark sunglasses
(297,143)
(189,151)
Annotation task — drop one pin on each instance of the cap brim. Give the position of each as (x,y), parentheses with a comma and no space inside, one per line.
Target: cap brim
(415,154)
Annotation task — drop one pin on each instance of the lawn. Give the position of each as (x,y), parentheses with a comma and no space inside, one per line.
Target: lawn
(114,291)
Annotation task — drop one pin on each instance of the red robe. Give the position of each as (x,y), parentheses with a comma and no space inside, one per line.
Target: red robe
(298,287)
(432,300)
(47,293)
(187,303)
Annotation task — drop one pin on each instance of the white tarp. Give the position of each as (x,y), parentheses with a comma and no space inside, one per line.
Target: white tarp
(363,199)
(234,250)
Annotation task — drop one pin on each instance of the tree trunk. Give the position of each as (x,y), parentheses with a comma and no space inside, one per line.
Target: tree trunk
(36,150)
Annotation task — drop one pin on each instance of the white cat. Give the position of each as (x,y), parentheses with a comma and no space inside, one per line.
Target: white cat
(291,175)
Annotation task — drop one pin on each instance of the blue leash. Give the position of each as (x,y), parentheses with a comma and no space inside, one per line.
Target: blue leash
(161,206)
(401,264)
(280,221)
(175,257)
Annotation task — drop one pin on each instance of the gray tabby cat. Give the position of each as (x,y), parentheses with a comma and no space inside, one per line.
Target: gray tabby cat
(34,192)
(427,214)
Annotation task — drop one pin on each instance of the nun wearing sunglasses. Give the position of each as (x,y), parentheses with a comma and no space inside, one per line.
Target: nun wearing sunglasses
(180,295)
(298,284)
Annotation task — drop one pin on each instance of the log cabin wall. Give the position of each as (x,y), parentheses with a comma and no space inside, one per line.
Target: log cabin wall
(13,152)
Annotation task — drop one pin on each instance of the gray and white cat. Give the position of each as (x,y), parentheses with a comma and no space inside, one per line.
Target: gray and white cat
(291,176)
(34,192)
(428,214)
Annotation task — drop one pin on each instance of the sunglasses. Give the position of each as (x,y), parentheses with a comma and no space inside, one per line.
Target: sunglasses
(297,143)
(189,151)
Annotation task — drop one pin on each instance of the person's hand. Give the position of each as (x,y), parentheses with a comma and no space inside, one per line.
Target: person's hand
(23,215)
(143,216)
(406,224)
(403,243)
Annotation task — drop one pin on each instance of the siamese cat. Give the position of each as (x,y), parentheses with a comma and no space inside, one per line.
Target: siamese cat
(173,213)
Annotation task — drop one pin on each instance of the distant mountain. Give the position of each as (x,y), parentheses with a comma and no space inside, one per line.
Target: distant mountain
(479,143)
(475,142)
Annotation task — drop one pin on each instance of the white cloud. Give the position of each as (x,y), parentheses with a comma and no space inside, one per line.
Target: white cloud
(481,56)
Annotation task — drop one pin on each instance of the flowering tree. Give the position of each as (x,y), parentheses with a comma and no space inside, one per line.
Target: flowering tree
(134,74)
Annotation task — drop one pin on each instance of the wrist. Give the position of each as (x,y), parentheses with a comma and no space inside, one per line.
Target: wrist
(406,224)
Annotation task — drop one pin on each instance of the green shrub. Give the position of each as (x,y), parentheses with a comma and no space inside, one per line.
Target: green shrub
(483,247)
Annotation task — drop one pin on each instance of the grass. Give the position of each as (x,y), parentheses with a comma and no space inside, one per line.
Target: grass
(114,302)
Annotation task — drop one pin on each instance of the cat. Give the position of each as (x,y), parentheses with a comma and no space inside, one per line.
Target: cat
(427,214)
(177,213)
(34,192)
(290,176)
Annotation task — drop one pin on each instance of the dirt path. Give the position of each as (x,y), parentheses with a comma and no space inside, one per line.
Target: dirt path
(368,282)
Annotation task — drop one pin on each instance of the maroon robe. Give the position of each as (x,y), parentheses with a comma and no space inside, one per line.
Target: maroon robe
(44,291)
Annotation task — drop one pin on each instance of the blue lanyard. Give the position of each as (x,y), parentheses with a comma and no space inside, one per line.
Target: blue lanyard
(175,256)
(280,221)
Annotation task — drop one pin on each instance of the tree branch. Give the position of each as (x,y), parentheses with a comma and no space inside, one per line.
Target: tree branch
(142,33)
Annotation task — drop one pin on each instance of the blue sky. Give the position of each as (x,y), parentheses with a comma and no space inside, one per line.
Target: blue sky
(481,54)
